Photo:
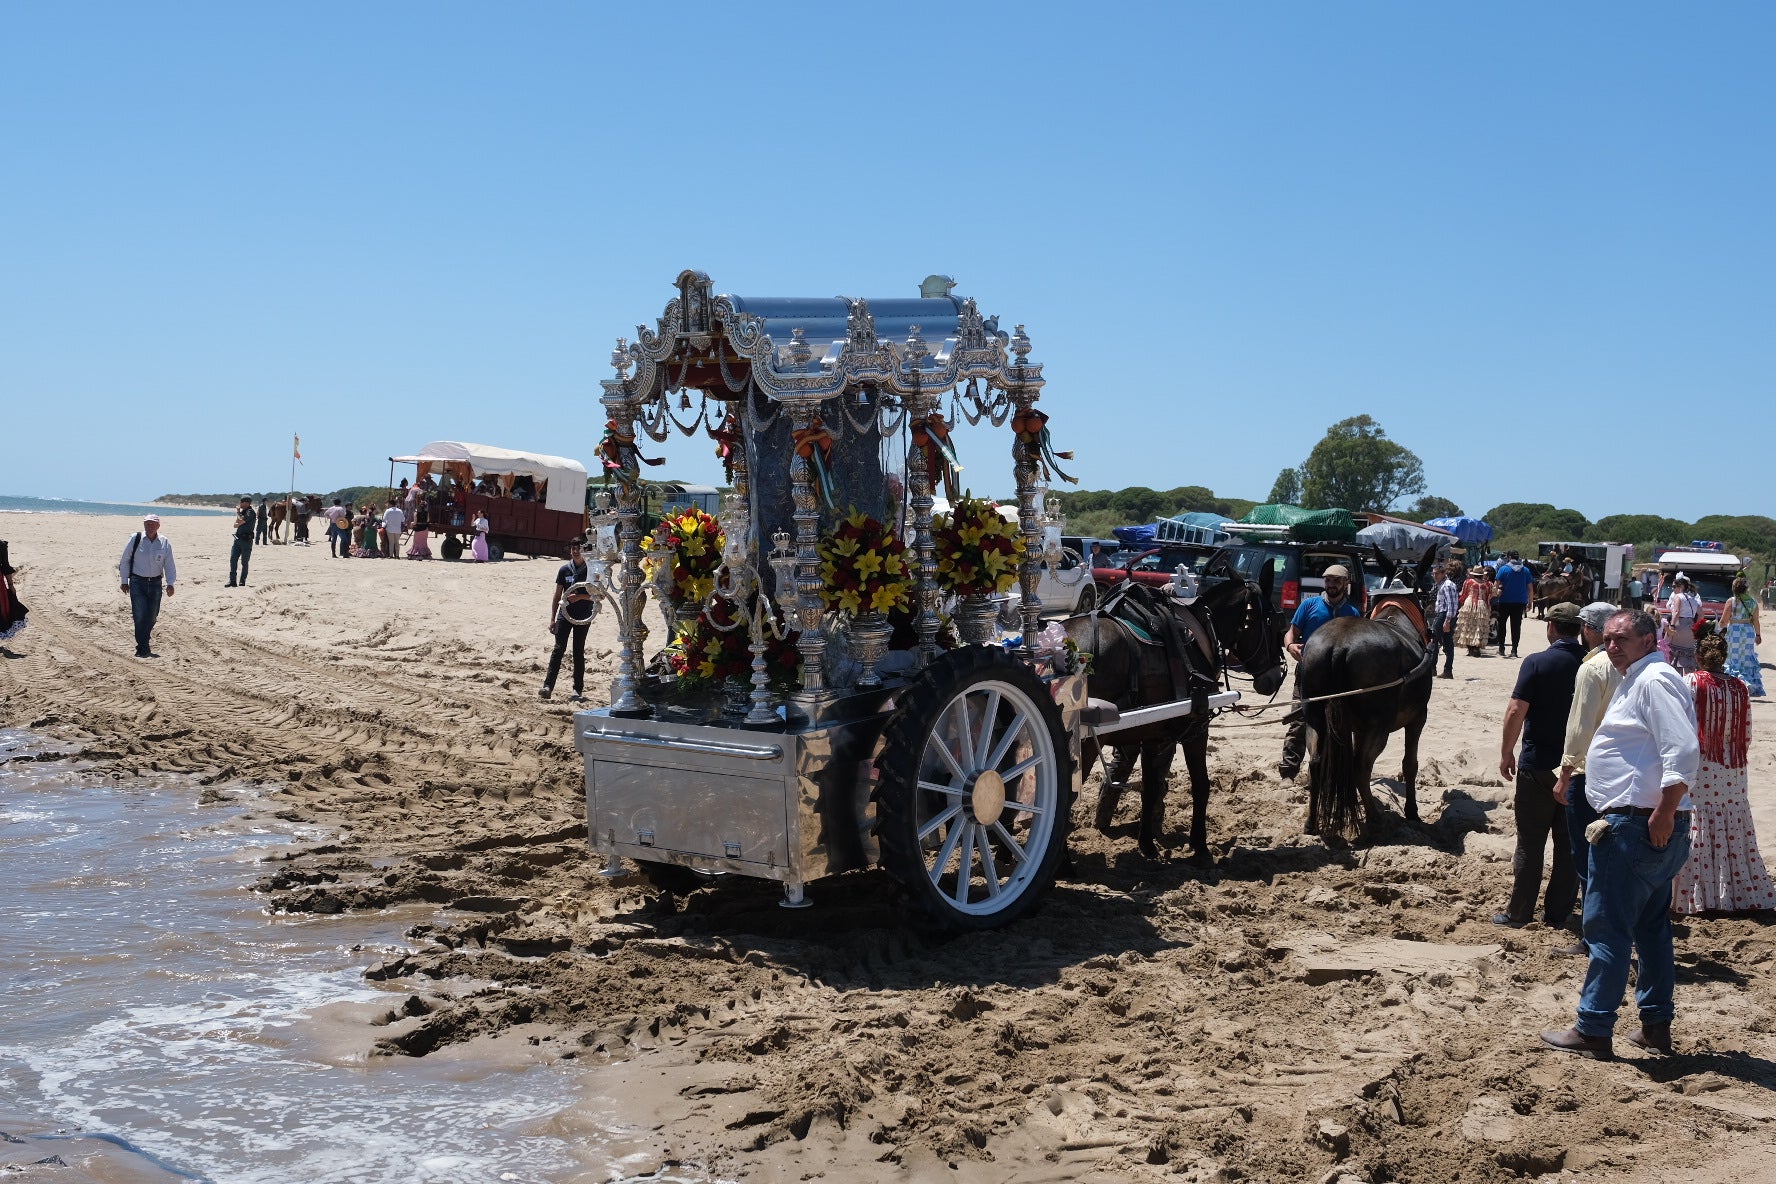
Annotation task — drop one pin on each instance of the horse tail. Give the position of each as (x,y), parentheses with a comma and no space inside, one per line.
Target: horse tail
(1333,803)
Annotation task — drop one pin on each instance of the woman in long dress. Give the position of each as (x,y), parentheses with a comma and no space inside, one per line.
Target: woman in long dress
(1725,873)
(1475,615)
(422,526)
(1683,609)
(479,547)
(1745,632)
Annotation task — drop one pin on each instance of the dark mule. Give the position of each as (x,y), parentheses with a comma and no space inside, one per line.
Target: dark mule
(1387,658)
(1229,624)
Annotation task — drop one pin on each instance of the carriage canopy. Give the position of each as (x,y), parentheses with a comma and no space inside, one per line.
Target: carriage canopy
(566,490)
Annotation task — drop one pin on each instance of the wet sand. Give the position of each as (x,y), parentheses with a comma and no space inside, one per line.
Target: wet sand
(1154,1020)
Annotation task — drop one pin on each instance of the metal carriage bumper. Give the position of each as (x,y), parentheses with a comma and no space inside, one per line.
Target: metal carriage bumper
(790,805)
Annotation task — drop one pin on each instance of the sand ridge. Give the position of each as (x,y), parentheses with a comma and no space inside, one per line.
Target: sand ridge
(1297,1011)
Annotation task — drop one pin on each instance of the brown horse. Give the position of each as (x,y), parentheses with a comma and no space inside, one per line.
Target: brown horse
(284,511)
(1184,662)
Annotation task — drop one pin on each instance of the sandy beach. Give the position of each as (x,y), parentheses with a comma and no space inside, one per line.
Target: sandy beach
(1294,1013)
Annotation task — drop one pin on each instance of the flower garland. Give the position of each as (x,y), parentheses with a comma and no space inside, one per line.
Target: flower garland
(978,552)
(696,540)
(863,568)
(715,646)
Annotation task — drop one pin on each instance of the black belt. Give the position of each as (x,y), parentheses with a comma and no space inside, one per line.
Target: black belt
(146,579)
(1642,811)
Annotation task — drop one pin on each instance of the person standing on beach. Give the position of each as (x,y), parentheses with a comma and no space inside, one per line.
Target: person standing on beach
(570,613)
(1638,771)
(393,522)
(1539,706)
(338,535)
(1448,604)
(241,553)
(1314,611)
(261,520)
(1515,581)
(144,569)
(1595,682)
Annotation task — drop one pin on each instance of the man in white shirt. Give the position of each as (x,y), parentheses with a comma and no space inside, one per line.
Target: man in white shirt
(1639,766)
(393,521)
(146,564)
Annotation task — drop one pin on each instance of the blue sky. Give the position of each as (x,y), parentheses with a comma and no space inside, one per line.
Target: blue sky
(1534,241)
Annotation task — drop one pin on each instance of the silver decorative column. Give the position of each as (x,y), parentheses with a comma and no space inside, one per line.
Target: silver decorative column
(1024,385)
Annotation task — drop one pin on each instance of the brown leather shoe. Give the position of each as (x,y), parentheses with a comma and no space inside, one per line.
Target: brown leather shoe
(1652,1036)
(1574,1041)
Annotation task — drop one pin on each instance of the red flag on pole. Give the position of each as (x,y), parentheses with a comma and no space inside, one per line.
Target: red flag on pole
(297,451)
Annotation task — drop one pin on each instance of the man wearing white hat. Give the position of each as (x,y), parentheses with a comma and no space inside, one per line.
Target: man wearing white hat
(145,567)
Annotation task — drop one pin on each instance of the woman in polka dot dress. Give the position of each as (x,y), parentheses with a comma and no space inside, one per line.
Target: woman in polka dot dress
(1725,873)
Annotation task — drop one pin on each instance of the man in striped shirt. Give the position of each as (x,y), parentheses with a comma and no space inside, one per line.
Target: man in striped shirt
(1448,604)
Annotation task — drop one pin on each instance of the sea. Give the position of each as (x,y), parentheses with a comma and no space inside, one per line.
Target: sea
(57,505)
(158,1020)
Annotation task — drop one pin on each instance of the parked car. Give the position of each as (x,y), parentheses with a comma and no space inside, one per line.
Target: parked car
(1298,570)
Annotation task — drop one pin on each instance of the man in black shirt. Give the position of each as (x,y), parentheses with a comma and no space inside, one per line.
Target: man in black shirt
(261,518)
(245,523)
(571,612)
(1539,706)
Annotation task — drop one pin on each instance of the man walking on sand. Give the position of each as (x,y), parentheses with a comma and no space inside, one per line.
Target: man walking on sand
(1448,604)
(1514,583)
(338,523)
(241,553)
(1596,682)
(1541,700)
(146,566)
(1314,612)
(1638,771)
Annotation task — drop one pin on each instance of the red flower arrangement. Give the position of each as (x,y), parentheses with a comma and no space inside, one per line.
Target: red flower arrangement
(696,540)
(978,552)
(863,568)
(716,646)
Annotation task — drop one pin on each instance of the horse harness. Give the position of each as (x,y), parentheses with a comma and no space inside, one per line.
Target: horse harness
(1151,619)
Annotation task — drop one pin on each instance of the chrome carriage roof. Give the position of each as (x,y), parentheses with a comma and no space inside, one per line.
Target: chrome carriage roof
(809,349)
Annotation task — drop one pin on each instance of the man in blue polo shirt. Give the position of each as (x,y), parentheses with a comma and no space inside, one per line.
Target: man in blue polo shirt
(1514,583)
(1314,612)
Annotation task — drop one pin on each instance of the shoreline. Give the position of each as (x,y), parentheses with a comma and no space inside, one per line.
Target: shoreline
(1152,1021)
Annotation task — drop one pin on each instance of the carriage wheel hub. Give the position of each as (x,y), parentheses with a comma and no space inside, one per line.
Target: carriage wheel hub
(988,800)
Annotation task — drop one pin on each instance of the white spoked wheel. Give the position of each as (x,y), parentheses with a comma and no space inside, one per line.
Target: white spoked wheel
(972,811)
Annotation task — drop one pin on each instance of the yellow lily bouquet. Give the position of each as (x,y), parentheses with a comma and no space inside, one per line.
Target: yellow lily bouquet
(978,552)
(696,540)
(863,568)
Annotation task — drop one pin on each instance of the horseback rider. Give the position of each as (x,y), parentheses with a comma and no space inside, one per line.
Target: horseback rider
(1315,611)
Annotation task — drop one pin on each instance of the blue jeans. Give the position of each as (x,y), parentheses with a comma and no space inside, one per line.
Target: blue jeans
(1627,898)
(145,608)
(241,554)
(1579,815)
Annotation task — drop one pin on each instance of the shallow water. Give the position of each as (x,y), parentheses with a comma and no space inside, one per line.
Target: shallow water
(14,504)
(149,1000)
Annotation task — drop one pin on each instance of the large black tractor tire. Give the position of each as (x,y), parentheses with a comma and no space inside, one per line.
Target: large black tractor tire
(451,547)
(973,800)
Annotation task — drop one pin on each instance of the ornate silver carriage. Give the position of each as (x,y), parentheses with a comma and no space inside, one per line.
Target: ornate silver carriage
(956,772)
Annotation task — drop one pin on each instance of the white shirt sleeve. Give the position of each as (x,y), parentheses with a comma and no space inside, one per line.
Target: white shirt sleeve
(123,561)
(172,569)
(1671,715)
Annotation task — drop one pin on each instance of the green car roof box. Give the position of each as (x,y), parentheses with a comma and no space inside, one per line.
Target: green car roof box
(1305,526)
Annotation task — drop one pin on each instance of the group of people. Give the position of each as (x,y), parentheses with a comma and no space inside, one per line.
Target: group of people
(1634,771)
(1466,604)
(369,534)
(1636,774)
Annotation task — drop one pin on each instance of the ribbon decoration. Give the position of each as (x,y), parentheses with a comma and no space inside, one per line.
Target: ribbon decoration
(933,435)
(1031,427)
(619,453)
(815,444)
(727,445)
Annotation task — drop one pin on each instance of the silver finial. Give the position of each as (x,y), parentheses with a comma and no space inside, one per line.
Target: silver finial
(620,359)
(1020,345)
(800,352)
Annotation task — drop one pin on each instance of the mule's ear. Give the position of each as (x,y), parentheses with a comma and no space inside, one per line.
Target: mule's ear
(1388,567)
(1267,580)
